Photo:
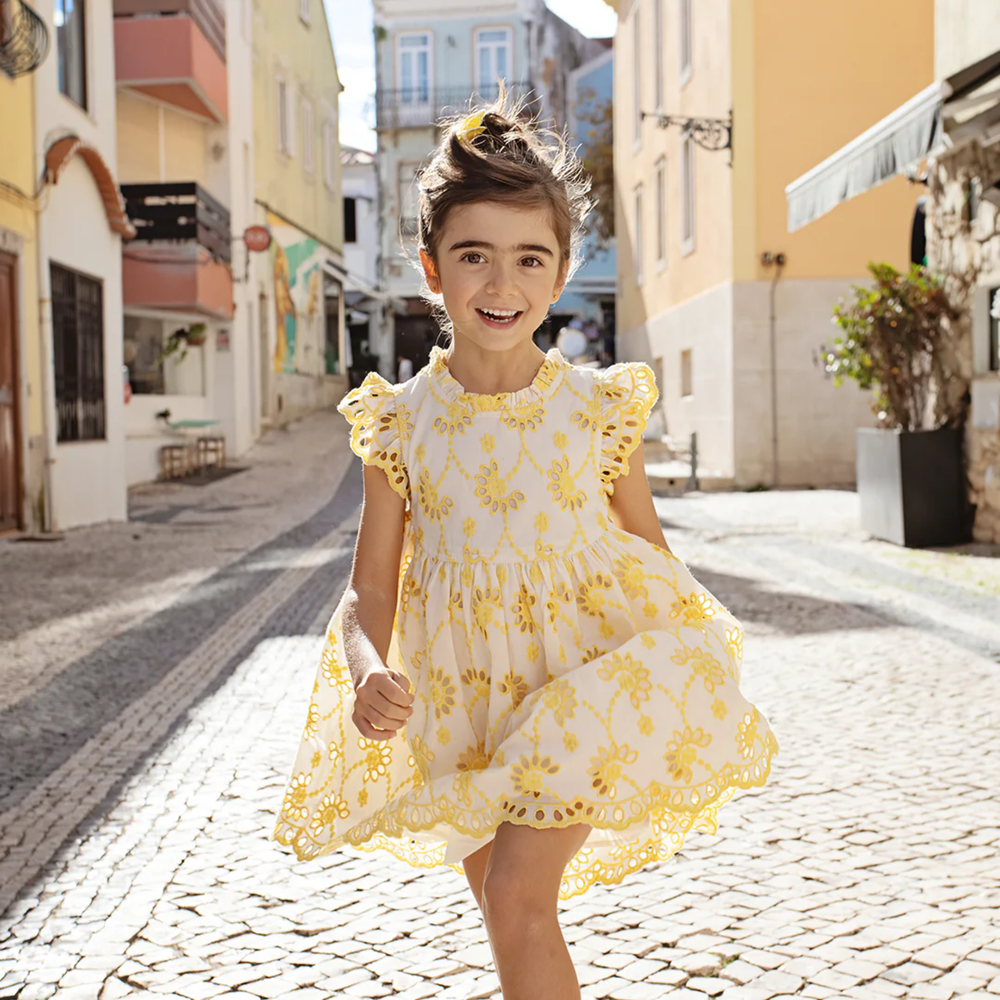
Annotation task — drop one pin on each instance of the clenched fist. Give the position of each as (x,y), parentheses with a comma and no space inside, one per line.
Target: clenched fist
(383,704)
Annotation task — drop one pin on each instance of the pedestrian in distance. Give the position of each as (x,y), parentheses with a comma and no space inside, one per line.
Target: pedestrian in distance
(521,679)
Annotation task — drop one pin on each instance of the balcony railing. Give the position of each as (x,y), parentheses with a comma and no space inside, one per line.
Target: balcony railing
(180,211)
(418,107)
(209,15)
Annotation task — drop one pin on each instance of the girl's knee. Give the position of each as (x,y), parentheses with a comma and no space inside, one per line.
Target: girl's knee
(515,900)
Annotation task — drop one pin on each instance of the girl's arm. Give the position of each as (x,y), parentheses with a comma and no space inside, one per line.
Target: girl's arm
(632,507)
(369,604)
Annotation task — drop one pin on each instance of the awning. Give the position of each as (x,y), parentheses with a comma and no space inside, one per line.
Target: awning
(947,113)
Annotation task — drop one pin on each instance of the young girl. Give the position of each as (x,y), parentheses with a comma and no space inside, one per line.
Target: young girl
(521,678)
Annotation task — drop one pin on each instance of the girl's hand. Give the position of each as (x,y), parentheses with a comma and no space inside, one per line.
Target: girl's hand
(383,704)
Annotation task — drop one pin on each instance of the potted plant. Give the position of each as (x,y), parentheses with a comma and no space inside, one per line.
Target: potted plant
(181,339)
(896,339)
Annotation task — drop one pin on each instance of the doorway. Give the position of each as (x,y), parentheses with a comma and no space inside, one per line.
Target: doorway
(10,431)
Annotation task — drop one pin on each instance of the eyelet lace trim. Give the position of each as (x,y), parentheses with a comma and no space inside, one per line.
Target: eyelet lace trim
(376,436)
(628,393)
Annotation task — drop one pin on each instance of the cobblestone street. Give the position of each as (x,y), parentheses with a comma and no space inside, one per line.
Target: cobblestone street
(154,679)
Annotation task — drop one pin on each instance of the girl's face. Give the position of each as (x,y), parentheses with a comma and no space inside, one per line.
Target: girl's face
(498,268)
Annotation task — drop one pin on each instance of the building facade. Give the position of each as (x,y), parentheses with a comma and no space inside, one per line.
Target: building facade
(186,166)
(967,32)
(366,305)
(714,292)
(299,281)
(431,59)
(81,224)
(22,418)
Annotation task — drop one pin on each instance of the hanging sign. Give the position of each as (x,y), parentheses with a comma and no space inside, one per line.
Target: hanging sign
(257,238)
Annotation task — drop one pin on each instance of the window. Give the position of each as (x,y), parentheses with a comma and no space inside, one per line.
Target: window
(658,50)
(350,220)
(78,354)
(308,138)
(284,118)
(71,41)
(687,195)
(685,36)
(995,330)
(637,78)
(304,11)
(637,245)
(413,68)
(493,47)
(409,198)
(687,384)
(661,212)
(329,151)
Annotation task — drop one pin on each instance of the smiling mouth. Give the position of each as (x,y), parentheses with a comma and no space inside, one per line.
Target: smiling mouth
(500,317)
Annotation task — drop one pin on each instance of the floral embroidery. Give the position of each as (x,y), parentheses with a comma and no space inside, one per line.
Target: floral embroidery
(492,492)
(442,692)
(561,701)
(454,421)
(562,486)
(529,774)
(527,417)
(682,751)
(606,768)
(514,685)
(378,757)
(434,508)
(631,576)
(523,603)
(632,676)
(746,733)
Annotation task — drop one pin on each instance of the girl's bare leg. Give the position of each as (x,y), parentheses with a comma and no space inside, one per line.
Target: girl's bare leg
(474,867)
(522,869)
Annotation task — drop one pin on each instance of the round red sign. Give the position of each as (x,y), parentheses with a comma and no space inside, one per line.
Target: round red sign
(257,238)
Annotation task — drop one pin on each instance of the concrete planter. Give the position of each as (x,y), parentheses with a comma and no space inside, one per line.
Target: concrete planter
(912,486)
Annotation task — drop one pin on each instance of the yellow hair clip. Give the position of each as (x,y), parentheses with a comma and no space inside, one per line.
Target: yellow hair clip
(472,126)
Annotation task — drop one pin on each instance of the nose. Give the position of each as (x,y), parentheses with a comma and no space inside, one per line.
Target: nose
(501,279)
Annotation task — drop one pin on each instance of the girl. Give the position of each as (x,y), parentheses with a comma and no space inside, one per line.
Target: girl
(568,692)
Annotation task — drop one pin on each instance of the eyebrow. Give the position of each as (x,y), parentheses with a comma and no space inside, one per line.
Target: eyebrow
(483,245)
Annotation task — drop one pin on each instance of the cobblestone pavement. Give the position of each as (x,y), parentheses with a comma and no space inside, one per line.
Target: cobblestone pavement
(152,693)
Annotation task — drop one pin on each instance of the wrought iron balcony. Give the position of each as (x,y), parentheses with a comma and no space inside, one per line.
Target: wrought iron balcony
(179,211)
(24,38)
(418,107)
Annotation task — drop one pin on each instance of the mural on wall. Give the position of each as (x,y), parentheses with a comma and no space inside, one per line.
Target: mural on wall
(298,298)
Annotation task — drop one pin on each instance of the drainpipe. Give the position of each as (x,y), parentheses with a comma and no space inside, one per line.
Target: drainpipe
(48,374)
(768,259)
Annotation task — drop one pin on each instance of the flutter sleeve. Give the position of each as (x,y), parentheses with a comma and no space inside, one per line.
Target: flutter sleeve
(376,428)
(627,393)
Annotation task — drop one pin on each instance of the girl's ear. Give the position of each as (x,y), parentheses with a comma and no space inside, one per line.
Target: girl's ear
(430,272)
(560,281)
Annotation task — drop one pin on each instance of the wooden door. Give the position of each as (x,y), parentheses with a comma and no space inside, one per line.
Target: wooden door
(10,434)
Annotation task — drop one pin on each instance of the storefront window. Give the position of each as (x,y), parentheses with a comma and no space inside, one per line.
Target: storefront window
(179,373)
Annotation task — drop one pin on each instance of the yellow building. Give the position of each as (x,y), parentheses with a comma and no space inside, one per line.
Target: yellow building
(712,287)
(299,281)
(21,417)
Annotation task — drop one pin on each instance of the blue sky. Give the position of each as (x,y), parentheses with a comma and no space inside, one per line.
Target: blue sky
(351,26)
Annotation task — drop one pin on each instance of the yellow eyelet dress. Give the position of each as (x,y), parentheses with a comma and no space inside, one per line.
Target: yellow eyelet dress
(565,671)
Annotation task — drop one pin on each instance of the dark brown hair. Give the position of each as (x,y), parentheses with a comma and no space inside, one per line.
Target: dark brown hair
(499,153)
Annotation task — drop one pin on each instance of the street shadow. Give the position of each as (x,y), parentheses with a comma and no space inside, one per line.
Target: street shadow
(788,612)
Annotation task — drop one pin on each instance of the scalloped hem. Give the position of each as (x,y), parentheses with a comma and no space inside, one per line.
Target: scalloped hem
(607,863)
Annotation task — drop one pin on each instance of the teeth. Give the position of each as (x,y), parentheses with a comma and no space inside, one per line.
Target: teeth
(500,313)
